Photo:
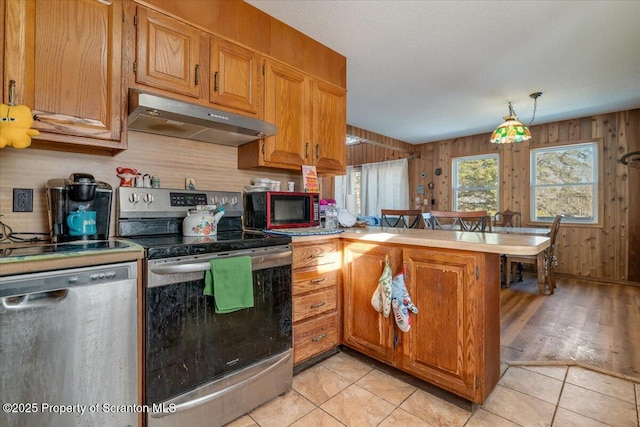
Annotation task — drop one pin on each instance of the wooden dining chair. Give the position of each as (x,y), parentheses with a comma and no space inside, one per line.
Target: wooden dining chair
(461,220)
(507,218)
(401,218)
(545,262)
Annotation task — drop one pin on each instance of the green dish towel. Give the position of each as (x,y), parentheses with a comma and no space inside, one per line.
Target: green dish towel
(230,282)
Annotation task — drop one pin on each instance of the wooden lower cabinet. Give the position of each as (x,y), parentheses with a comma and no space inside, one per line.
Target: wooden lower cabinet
(454,340)
(364,329)
(316,309)
(315,337)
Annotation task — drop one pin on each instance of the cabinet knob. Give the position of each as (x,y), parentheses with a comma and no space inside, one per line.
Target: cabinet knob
(320,304)
(197,81)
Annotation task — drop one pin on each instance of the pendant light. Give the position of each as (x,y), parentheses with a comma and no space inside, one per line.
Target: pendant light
(512,130)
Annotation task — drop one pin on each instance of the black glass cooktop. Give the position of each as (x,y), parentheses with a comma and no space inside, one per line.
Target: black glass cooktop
(178,245)
(35,249)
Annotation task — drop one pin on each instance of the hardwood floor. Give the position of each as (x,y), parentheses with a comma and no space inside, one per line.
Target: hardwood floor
(584,321)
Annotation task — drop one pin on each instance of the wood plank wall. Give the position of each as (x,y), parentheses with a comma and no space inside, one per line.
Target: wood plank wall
(611,251)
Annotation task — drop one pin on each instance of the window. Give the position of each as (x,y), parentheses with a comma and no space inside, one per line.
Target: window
(475,183)
(564,180)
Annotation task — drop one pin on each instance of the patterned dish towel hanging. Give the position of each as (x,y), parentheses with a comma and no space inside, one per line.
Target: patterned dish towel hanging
(381,299)
(401,303)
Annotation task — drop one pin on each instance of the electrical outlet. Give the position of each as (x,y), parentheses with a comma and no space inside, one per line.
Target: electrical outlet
(23,200)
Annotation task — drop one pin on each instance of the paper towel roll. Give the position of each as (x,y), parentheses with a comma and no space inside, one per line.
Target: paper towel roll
(351,203)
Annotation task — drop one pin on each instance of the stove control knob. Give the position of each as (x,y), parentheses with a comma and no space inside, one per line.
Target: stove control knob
(133,198)
(214,200)
(224,200)
(233,201)
(148,198)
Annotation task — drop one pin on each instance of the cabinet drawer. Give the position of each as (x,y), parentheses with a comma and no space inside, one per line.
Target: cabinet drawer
(313,304)
(320,253)
(313,279)
(314,337)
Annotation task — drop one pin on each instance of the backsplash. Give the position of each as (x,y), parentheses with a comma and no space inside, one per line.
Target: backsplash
(214,167)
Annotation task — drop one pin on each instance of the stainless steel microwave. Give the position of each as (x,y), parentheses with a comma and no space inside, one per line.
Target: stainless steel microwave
(268,210)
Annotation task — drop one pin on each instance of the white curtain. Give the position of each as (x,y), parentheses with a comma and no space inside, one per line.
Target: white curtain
(384,185)
(342,186)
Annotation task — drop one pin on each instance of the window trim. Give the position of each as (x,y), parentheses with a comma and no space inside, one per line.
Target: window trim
(454,176)
(528,220)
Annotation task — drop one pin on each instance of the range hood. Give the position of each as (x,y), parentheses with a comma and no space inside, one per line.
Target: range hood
(165,116)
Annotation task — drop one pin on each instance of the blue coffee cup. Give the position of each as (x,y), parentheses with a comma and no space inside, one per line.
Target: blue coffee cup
(82,223)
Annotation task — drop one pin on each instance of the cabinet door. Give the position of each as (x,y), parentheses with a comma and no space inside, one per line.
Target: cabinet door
(364,329)
(66,60)
(329,127)
(286,106)
(441,344)
(234,76)
(168,53)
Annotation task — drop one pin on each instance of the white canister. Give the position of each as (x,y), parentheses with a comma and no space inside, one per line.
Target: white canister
(291,186)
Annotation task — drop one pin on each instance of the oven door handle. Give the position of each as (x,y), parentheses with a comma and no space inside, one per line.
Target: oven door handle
(181,268)
(258,262)
(178,406)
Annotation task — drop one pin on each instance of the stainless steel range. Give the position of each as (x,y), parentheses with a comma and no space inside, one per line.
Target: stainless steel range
(202,367)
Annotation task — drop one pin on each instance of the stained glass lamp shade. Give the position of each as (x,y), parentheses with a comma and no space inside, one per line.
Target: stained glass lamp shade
(512,130)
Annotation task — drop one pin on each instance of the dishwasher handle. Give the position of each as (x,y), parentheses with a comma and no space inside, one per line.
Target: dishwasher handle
(36,299)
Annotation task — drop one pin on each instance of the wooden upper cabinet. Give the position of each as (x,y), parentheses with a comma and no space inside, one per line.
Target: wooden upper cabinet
(286,107)
(66,60)
(234,73)
(311,119)
(329,127)
(168,53)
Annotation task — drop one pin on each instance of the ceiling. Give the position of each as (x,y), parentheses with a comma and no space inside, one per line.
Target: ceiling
(422,71)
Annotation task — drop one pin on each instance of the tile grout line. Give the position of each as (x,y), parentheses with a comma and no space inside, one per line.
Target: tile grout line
(564,381)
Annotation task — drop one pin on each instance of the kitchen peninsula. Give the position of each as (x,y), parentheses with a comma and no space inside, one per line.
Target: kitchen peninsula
(452,277)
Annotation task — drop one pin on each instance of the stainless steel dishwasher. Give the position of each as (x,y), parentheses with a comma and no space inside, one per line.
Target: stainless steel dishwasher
(68,347)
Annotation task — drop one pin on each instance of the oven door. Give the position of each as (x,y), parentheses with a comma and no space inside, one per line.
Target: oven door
(189,346)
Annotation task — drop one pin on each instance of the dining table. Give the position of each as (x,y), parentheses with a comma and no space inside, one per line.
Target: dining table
(527,231)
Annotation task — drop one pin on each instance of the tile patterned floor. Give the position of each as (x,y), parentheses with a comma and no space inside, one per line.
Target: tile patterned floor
(344,391)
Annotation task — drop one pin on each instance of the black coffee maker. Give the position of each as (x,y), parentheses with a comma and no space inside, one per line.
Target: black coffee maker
(79,208)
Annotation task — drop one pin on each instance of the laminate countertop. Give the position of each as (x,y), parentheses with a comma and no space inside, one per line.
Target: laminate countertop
(33,257)
(512,244)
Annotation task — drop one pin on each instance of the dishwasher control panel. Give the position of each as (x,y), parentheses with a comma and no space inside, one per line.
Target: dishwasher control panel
(47,281)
